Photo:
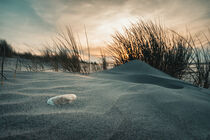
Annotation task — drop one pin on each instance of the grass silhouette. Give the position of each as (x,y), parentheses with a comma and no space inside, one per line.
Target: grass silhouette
(162,48)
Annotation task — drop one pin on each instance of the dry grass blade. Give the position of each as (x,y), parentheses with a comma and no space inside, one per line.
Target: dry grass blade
(66,53)
(152,43)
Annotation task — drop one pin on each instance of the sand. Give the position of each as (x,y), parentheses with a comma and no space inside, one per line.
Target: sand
(132,101)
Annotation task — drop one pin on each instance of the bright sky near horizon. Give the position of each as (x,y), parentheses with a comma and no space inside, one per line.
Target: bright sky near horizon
(28,24)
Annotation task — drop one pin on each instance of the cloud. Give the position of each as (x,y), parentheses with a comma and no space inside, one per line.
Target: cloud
(20,13)
(20,23)
(35,20)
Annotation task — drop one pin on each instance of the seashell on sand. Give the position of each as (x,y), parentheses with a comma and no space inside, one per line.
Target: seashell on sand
(62,99)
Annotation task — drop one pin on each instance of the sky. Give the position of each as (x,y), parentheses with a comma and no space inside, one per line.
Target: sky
(28,24)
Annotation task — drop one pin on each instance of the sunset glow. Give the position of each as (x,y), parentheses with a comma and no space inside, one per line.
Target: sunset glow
(28,24)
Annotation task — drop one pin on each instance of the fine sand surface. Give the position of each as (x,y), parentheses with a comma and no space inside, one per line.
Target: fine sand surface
(132,101)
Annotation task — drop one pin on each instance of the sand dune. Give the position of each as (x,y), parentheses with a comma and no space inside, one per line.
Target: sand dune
(132,101)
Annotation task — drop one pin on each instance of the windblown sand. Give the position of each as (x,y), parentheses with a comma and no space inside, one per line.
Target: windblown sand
(133,101)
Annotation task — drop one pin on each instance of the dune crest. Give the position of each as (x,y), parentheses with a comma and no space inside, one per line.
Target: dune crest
(131,101)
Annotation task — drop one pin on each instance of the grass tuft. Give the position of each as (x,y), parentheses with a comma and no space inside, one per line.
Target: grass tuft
(161,48)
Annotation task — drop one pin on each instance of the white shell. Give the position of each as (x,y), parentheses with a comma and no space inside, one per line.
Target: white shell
(62,99)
